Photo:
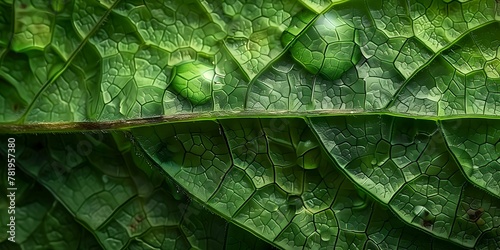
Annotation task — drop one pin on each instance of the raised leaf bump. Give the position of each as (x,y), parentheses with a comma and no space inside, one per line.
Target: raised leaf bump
(327,47)
(193,80)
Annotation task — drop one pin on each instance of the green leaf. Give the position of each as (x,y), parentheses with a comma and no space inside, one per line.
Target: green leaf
(252,172)
(406,165)
(461,80)
(41,221)
(32,27)
(129,204)
(327,47)
(253,30)
(193,80)
(318,124)
(118,58)
(477,150)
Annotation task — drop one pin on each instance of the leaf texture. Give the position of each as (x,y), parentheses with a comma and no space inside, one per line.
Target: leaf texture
(310,124)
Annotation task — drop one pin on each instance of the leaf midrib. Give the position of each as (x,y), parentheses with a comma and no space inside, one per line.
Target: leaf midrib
(54,127)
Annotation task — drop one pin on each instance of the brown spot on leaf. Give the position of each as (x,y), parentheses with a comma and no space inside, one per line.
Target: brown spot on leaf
(475,214)
(135,222)
(428,224)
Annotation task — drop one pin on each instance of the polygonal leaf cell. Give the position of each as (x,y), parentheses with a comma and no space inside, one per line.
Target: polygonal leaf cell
(193,80)
(32,27)
(327,47)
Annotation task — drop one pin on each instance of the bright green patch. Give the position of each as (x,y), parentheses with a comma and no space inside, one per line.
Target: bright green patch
(193,80)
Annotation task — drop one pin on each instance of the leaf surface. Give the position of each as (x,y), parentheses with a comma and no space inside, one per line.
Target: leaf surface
(296,124)
(97,194)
